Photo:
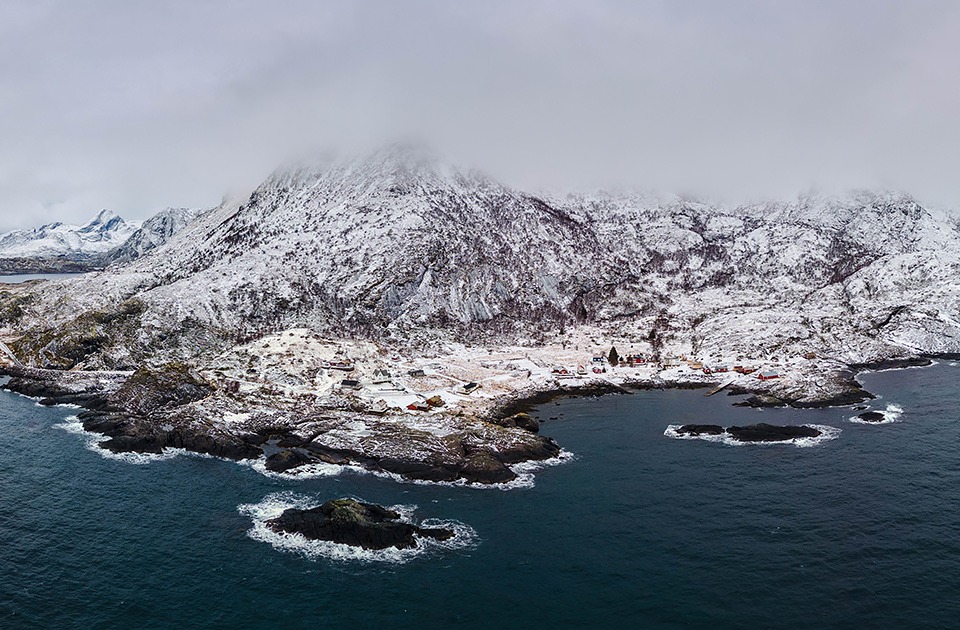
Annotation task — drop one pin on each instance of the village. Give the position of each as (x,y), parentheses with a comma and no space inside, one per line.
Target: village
(300,364)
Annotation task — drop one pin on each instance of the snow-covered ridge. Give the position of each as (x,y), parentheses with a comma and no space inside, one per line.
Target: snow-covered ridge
(99,235)
(103,240)
(400,246)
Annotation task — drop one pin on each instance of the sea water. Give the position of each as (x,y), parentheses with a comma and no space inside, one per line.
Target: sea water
(24,277)
(636,529)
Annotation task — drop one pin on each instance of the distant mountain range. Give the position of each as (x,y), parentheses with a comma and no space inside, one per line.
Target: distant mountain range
(105,239)
(399,245)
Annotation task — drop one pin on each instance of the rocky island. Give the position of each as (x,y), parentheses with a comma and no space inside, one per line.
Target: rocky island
(761,432)
(350,522)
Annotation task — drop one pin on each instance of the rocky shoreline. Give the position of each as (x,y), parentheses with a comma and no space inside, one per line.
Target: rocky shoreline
(149,410)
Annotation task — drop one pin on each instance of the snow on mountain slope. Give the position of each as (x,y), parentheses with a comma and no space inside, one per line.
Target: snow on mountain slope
(398,245)
(105,239)
(68,242)
(152,233)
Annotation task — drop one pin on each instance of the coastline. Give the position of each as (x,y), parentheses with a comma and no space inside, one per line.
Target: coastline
(472,446)
(471,440)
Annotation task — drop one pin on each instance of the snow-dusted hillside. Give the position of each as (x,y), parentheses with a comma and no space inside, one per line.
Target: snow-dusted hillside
(400,246)
(152,233)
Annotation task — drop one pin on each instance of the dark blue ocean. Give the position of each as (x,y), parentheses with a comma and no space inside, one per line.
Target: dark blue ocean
(638,530)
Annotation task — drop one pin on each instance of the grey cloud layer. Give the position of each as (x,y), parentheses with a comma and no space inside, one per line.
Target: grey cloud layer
(135,105)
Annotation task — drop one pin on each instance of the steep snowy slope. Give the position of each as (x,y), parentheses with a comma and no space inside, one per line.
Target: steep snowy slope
(152,233)
(398,245)
(392,241)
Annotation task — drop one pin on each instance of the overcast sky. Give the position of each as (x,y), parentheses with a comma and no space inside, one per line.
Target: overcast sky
(135,106)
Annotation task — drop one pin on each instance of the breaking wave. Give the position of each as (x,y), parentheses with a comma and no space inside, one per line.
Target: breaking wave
(891,414)
(73,425)
(827,433)
(92,441)
(274,504)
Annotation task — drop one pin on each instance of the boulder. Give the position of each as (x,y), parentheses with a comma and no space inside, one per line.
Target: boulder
(760,401)
(872,416)
(525,421)
(350,522)
(483,467)
(287,459)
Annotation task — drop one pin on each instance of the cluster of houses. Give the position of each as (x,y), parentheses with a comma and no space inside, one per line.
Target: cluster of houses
(672,361)
(383,381)
(699,366)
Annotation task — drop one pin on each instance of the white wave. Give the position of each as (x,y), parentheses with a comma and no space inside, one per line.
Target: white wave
(73,425)
(525,470)
(307,471)
(827,433)
(274,504)
(933,362)
(891,414)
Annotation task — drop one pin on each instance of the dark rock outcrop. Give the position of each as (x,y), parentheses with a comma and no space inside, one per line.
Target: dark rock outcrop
(148,390)
(138,435)
(761,401)
(484,467)
(764,432)
(350,522)
(892,364)
(520,420)
(419,471)
(872,416)
(287,459)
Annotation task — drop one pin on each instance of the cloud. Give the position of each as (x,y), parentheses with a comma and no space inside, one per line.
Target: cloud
(136,106)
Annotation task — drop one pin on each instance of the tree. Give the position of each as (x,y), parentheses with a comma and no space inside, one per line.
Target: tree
(613,357)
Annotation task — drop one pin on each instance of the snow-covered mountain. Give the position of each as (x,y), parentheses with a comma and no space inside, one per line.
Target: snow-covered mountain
(152,233)
(61,247)
(399,245)
(105,239)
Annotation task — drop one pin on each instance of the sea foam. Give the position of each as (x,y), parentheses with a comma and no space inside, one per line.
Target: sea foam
(274,504)
(92,441)
(827,433)
(891,414)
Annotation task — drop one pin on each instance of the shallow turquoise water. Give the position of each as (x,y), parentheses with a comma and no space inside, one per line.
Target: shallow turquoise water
(639,529)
